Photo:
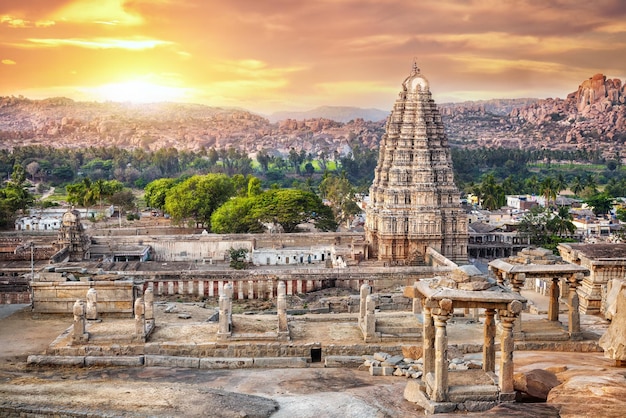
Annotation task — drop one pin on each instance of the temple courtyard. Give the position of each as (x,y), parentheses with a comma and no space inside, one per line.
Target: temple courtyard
(310,391)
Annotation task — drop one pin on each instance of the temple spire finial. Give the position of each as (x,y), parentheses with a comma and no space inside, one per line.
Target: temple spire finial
(415,69)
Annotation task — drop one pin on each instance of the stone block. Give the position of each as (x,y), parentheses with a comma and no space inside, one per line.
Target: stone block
(414,391)
(226,363)
(56,360)
(343,361)
(129,361)
(281,362)
(410,292)
(392,361)
(172,361)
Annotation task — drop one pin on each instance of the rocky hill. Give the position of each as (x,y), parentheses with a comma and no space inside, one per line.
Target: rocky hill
(592,117)
(337,113)
(62,122)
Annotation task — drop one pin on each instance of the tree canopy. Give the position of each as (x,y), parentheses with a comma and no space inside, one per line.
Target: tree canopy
(198,197)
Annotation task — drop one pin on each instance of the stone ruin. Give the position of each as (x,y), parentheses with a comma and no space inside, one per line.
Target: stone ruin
(614,339)
(373,330)
(440,389)
(85,312)
(225,318)
(539,270)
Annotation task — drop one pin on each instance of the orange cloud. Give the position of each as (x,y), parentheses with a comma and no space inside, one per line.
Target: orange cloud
(8,62)
(102,43)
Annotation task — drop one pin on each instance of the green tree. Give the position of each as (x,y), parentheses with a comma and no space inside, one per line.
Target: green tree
(600,203)
(577,185)
(561,223)
(238,258)
(492,194)
(198,197)
(236,217)
(340,194)
(533,224)
(14,196)
(548,190)
(156,191)
(291,207)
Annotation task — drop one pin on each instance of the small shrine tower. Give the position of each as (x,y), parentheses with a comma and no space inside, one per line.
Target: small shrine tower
(414,203)
(72,237)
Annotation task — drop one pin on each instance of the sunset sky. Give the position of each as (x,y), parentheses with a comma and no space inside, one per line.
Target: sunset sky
(268,55)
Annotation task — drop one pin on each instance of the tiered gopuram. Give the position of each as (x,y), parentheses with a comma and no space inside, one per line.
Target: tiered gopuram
(414,203)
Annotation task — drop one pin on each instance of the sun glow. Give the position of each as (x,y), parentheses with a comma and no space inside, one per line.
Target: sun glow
(139,92)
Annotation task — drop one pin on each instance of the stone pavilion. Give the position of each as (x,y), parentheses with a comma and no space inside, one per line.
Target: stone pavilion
(414,201)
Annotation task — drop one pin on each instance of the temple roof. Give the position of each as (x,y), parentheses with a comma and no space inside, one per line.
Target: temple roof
(416,80)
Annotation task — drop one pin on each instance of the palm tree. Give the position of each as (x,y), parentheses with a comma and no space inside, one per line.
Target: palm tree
(547,188)
(492,193)
(591,184)
(560,183)
(577,185)
(561,224)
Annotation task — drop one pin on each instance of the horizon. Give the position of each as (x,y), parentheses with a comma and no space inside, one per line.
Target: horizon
(273,56)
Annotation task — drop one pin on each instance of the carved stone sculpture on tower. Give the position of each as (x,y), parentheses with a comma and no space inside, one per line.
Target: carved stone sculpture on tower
(414,203)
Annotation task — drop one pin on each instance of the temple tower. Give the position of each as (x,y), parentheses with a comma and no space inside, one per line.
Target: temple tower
(414,203)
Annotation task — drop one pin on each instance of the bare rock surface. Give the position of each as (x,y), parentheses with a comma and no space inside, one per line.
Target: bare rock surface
(614,339)
(536,383)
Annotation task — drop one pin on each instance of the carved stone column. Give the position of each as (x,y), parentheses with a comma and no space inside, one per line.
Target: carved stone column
(517,282)
(441,316)
(507,346)
(225,306)
(369,321)
(281,308)
(574,306)
(489,349)
(428,346)
(79,331)
(553,307)
(148,298)
(364,292)
(92,304)
(140,318)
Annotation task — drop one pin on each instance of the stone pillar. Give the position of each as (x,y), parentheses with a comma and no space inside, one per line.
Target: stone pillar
(369,321)
(92,304)
(553,307)
(201,288)
(507,346)
(517,282)
(299,287)
(489,349)
(441,316)
(428,346)
(211,289)
(270,289)
(240,290)
(365,291)
(281,308)
(148,298)
(250,289)
(79,331)
(417,306)
(140,318)
(225,307)
(290,287)
(574,306)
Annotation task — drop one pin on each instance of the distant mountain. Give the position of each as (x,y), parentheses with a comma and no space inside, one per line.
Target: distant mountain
(336,113)
(591,117)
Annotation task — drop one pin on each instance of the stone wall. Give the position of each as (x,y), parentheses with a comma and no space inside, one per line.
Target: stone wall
(262,284)
(114,297)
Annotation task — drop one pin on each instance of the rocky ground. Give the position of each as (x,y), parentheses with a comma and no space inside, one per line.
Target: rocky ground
(591,385)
